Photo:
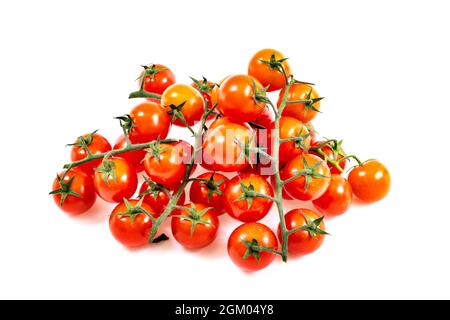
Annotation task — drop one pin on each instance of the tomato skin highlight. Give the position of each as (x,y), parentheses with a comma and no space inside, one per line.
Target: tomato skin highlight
(370,181)
(337,199)
(159,203)
(128,232)
(124,186)
(236,98)
(159,81)
(239,209)
(134,158)
(264,73)
(193,107)
(150,121)
(300,91)
(301,242)
(99,144)
(198,192)
(296,188)
(249,232)
(203,235)
(83,185)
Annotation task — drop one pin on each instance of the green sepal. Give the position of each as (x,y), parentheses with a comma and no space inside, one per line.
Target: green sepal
(64,189)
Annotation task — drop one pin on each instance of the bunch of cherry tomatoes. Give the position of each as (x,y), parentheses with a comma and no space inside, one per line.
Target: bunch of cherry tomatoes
(256,154)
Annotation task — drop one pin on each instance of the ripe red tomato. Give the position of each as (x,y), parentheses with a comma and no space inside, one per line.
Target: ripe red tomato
(304,112)
(337,199)
(247,208)
(96,144)
(166,163)
(115,179)
(308,239)
(195,228)
(370,181)
(150,121)
(133,157)
(266,66)
(130,228)
(336,153)
(223,145)
(208,189)
(183,99)
(158,77)
(237,98)
(265,119)
(157,198)
(314,181)
(293,128)
(74,192)
(244,242)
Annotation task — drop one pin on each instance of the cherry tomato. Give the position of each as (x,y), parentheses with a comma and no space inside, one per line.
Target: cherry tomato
(208,189)
(215,92)
(157,198)
(265,119)
(115,179)
(205,88)
(195,228)
(304,112)
(133,157)
(129,228)
(293,128)
(285,195)
(96,144)
(266,66)
(237,98)
(337,199)
(244,242)
(223,145)
(181,98)
(149,121)
(158,77)
(370,181)
(166,163)
(243,207)
(310,238)
(336,153)
(74,192)
(313,183)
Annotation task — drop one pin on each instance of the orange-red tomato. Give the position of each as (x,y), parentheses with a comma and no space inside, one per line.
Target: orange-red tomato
(158,78)
(189,101)
(96,144)
(337,199)
(370,181)
(133,157)
(301,111)
(292,128)
(74,192)
(266,66)
(237,98)
(121,182)
(158,198)
(150,121)
(208,189)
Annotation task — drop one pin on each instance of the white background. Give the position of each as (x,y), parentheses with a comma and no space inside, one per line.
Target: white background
(66,68)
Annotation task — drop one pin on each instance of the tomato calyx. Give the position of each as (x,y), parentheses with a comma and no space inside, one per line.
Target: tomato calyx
(175,112)
(211,185)
(153,189)
(203,85)
(107,170)
(309,172)
(155,150)
(248,193)
(133,210)
(64,189)
(84,142)
(150,71)
(141,93)
(126,123)
(310,103)
(254,249)
(276,64)
(311,226)
(259,95)
(299,140)
(195,216)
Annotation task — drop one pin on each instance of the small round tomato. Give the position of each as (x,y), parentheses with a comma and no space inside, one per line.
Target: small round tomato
(267,66)
(313,177)
(223,145)
(238,98)
(310,237)
(166,163)
(129,226)
(239,201)
(244,246)
(96,144)
(333,152)
(285,195)
(370,181)
(208,189)
(304,112)
(149,122)
(133,157)
(156,196)
(157,78)
(293,128)
(195,227)
(205,88)
(74,192)
(115,179)
(337,199)
(181,100)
